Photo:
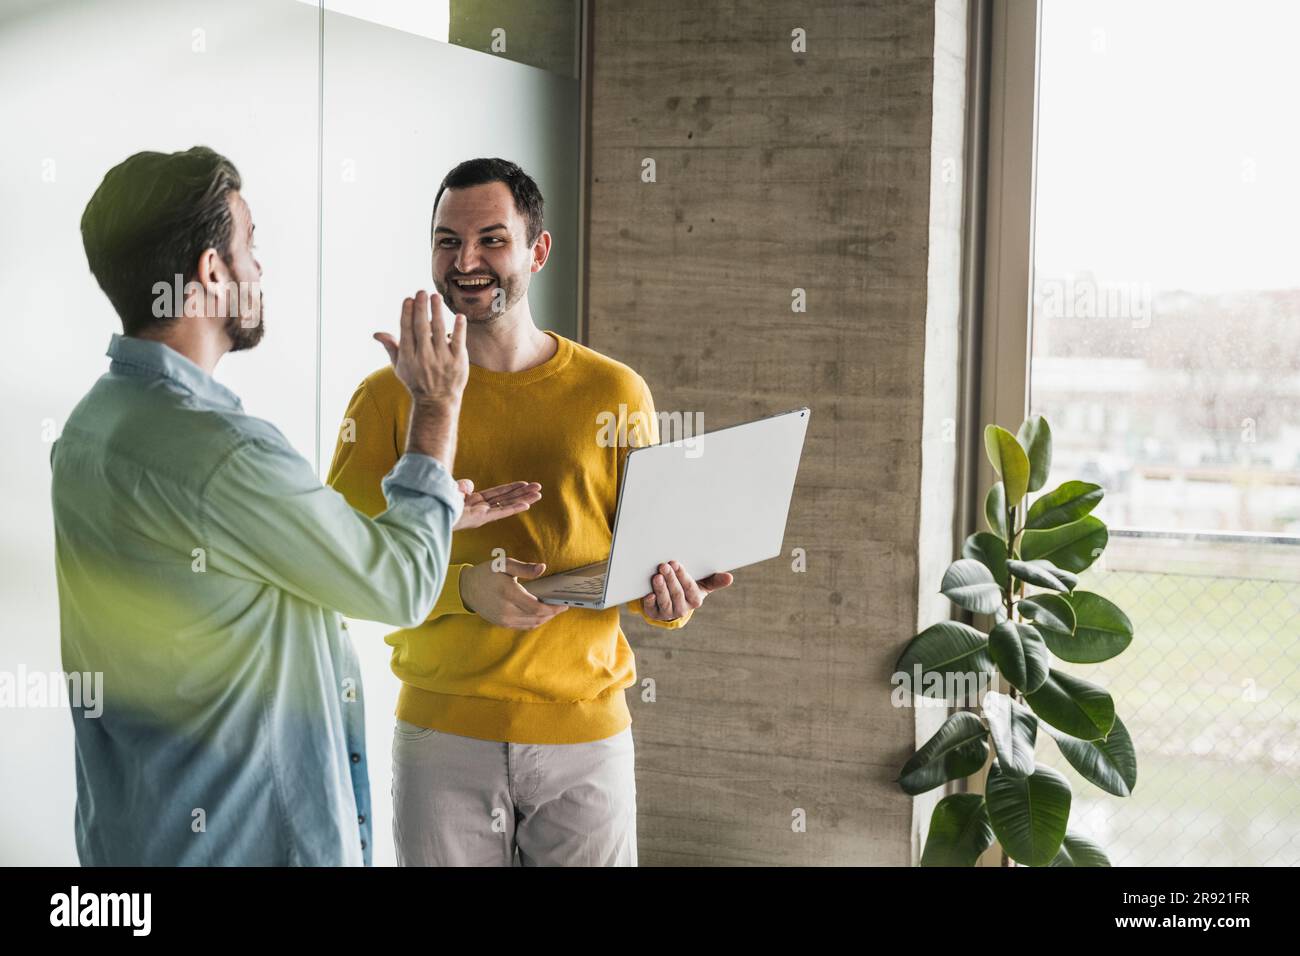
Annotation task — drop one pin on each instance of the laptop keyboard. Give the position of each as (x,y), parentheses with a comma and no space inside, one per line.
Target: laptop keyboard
(585,585)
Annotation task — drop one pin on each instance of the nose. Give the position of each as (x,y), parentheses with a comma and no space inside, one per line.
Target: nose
(467,261)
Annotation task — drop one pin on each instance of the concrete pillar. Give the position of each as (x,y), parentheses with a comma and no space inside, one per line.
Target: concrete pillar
(836,171)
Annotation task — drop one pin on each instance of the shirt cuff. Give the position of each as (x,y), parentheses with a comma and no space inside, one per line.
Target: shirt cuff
(418,474)
(672,625)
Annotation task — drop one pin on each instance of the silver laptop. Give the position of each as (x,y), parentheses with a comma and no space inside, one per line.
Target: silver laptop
(714,502)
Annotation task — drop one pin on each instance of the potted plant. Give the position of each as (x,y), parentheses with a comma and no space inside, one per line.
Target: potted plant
(1022,574)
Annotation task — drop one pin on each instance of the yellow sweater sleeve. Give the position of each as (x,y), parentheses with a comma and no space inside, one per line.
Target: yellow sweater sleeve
(367,450)
(640,437)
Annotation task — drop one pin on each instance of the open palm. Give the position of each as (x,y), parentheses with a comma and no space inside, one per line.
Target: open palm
(491,504)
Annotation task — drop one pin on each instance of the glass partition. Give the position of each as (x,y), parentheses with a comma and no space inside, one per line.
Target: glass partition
(341,128)
(400,111)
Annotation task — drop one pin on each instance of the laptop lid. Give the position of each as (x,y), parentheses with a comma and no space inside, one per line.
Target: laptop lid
(713,502)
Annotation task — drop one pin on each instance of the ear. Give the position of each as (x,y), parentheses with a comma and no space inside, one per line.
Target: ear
(541,251)
(212,268)
(214,278)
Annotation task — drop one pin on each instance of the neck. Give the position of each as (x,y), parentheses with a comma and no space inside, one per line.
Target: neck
(191,338)
(508,343)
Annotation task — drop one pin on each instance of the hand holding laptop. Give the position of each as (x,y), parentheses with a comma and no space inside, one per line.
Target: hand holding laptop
(675,592)
(749,470)
(498,597)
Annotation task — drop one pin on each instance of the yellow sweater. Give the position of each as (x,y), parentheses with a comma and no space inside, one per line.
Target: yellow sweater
(562,682)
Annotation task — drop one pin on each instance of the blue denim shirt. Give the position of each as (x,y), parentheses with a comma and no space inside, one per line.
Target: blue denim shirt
(202,569)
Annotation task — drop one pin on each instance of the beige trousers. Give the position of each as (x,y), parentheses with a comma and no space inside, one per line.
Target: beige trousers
(461,801)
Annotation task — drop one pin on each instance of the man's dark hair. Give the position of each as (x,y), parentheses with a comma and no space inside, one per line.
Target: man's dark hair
(150,220)
(478,172)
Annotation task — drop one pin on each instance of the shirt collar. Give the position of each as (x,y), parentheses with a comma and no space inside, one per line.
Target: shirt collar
(146,357)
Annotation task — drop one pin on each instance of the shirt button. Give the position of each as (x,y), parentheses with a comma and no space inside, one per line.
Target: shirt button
(363,844)
(356,758)
(361,818)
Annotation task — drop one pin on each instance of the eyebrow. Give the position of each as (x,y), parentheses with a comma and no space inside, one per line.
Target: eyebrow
(495,225)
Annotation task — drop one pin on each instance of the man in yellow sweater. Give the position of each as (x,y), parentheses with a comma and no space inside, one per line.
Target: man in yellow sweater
(513,740)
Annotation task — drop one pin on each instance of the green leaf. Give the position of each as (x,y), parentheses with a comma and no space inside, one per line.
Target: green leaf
(1069,703)
(957,750)
(1110,764)
(1101,630)
(1009,460)
(1067,578)
(995,511)
(1014,729)
(1069,502)
(1071,547)
(1052,615)
(948,648)
(959,831)
(1036,438)
(969,584)
(1041,573)
(1078,850)
(1028,814)
(1020,654)
(990,551)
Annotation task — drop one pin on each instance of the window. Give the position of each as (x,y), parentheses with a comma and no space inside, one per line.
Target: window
(1156,219)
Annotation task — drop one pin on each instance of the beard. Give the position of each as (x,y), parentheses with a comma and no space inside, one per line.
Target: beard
(242,333)
(481,311)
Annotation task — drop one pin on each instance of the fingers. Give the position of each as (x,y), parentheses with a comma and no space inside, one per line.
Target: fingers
(501,494)
(406,342)
(389,344)
(675,592)
(716,582)
(524,569)
(524,495)
(523,611)
(527,612)
(484,507)
(497,512)
(515,489)
(457,340)
(690,589)
(663,600)
(421,335)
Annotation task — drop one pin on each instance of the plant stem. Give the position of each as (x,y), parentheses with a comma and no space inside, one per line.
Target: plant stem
(1010,602)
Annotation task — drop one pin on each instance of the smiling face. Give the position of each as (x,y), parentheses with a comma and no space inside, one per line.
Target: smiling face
(482,261)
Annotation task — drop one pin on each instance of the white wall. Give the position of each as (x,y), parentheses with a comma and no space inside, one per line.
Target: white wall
(82,86)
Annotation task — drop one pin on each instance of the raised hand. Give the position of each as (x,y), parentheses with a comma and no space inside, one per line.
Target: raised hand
(433,367)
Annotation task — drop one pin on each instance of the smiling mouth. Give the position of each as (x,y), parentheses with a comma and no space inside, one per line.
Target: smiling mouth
(473,285)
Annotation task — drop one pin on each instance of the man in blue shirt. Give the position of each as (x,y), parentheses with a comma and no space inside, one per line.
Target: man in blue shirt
(202,566)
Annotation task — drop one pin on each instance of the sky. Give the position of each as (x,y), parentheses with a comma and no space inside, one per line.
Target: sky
(1169,150)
